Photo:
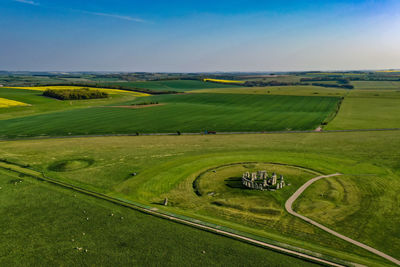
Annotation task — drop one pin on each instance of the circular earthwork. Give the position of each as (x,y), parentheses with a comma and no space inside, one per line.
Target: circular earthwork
(70,165)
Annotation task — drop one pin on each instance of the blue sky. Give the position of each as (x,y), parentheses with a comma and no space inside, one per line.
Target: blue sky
(195,36)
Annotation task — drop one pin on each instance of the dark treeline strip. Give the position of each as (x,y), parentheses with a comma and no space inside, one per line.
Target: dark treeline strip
(343,86)
(346,80)
(326,79)
(76,94)
(230,83)
(270,83)
(135,89)
(145,103)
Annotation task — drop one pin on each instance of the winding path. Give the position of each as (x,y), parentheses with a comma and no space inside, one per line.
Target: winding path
(292,199)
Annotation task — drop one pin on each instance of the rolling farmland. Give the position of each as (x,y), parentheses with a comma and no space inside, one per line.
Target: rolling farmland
(200,134)
(199,174)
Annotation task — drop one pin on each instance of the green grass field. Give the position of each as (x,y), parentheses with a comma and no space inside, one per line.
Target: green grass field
(368,110)
(376,85)
(173,85)
(45,224)
(299,90)
(185,113)
(167,167)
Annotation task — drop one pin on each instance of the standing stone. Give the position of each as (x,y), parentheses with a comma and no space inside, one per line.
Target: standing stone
(165,201)
(274,179)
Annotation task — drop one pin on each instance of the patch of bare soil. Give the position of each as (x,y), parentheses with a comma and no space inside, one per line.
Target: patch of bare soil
(136,106)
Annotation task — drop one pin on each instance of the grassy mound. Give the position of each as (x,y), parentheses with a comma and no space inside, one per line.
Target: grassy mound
(70,165)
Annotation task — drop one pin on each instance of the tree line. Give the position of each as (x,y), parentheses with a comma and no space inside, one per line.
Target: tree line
(75,94)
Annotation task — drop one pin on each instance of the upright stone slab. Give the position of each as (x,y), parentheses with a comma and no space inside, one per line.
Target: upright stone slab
(253,176)
(274,178)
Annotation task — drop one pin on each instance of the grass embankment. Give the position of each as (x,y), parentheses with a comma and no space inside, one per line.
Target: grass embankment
(104,233)
(185,113)
(360,209)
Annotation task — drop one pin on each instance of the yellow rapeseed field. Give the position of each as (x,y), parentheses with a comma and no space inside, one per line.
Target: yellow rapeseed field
(107,90)
(389,71)
(5,103)
(222,81)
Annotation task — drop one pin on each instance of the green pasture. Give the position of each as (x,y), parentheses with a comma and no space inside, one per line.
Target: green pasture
(363,109)
(185,113)
(357,204)
(172,85)
(43,225)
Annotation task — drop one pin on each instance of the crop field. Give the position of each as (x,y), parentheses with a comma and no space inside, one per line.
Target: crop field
(107,90)
(173,85)
(101,233)
(37,104)
(269,78)
(223,81)
(6,103)
(23,80)
(376,85)
(368,160)
(298,90)
(185,113)
(368,110)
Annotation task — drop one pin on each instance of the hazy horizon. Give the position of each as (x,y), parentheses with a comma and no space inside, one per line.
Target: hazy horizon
(199,36)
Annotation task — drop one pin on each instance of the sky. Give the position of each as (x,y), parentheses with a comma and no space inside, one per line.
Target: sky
(199,36)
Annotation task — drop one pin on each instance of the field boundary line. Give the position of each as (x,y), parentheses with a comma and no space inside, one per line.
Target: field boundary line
(293,198)
(209,227)
(199,133)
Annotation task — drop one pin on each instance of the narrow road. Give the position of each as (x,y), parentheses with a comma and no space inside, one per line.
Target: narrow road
(16,138)
(292,199)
